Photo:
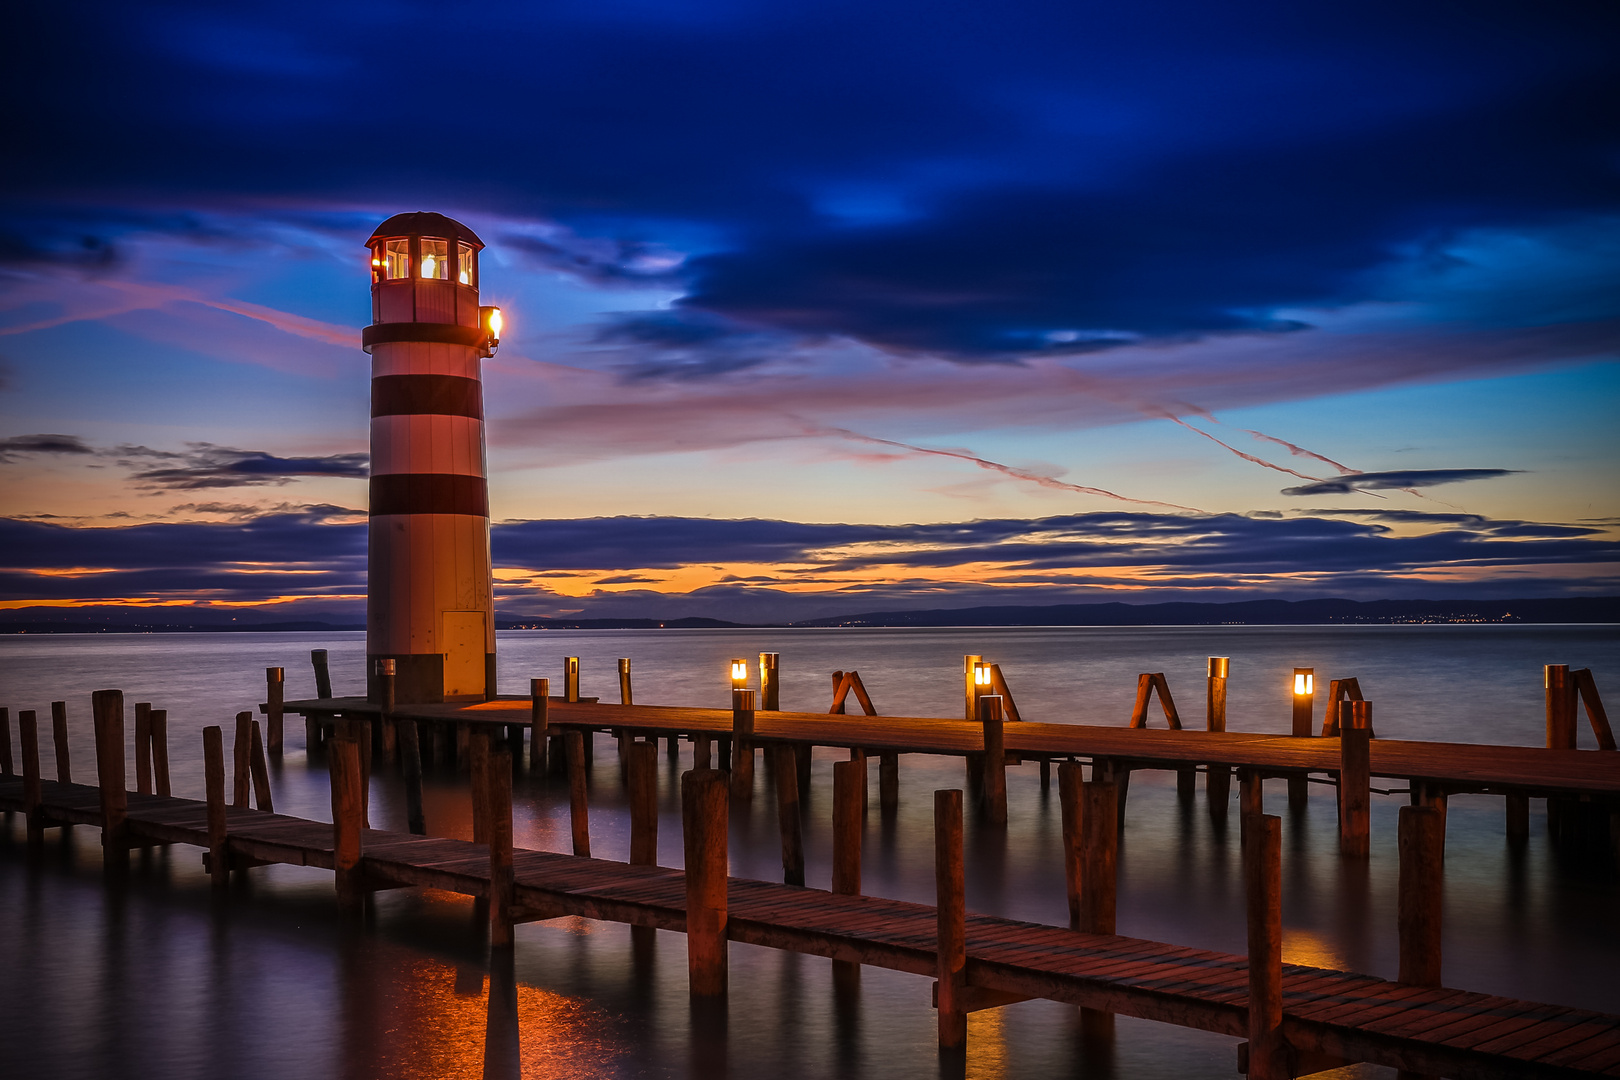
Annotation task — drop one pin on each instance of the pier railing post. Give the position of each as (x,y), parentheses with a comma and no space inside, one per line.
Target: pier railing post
(59,736)
(1217,778)
(33,792)
(643,774)
(502,889)
(539,709)
(108,708)
(1099,857)
(347,811)
(995,759)
(323,673)
(951,908)
(787,814)
(1562,812)
(578,808)
(275,694)
(704,809)
(1262,881)
(1421,894)
(1355,777)
(742,744)
(260,771)
(143,746)
(770,682)
(1070,781)
(626,697)
(240,750)
(219,867)
(160,751)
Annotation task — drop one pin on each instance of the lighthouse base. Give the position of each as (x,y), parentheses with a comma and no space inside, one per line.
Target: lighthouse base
(419,679)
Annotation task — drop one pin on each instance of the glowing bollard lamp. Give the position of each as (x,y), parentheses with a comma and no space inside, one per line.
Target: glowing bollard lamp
(1304,705)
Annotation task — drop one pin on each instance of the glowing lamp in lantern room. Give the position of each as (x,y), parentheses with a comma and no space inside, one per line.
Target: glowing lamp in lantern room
(739,674)
(1304,683)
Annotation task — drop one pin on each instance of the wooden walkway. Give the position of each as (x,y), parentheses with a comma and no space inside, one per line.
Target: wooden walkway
(1454,767)
(1436,1031)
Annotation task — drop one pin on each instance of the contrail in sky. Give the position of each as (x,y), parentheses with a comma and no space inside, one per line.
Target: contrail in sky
(1300,451)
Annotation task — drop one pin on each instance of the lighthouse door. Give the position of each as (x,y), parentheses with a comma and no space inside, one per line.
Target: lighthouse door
(463,654)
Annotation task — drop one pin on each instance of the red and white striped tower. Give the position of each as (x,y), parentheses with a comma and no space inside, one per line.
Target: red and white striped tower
(430,604)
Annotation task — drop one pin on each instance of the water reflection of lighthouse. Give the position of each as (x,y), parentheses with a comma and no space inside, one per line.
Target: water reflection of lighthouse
(430,604)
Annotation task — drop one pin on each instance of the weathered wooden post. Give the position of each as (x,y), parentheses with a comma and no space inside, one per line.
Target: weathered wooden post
(742,744)
(347,812)
(975,681)
(1355,778)
(995,759)
(1217,778)
(1262,886)
(770,682)
(33,791)
(539,722)
(849,782)
(889,781)
(570,679)
(704,808)
(108,708)
(1118,773)
(502,888)
(787,815)
(219,867)
(478,770)
(1099,857)
(260,772)
(6,767)
(275,694)
(59,736)
(643,769)
(700,750)
(240,751)
(1421,894)
(1299,787)
(578,808)
(160,751)
(1070,781)
(1562,811)
(1517,812)
(951,927)
(143,747)
(625,696)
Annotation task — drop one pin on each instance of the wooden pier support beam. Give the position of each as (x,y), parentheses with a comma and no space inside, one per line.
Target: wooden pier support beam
(260,771)
(275,693)
(1355,778)
(108,708)
(1217,778)
(1099,857)
(539,722)
(742,744)
(700,751)
(626,696)
(770,682)
(323,673)
(972,689)
(951,908)
(1262,886)
(6,766)
(160,751)
(143,746)
(704,810)
(889,781)
(1517,812)
(578,808)
(1421,894)
(849,790)
(33,792)
(240,751)
(1563,813)
(1070,786)
(59,737)
(994,791)
(478,748)
(1117,773)
(642,767)
(347,820)
(1304,689)
(219,867)
(498,807)
(788,817)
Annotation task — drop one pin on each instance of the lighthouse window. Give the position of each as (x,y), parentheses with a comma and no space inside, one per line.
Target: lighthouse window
(466,265)
(397,253)
(435,259)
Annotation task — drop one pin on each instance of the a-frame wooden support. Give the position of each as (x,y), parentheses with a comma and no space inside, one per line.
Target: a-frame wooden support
(998,685)
(843,683)
(1145,686)
(1586,686)
(1339,690)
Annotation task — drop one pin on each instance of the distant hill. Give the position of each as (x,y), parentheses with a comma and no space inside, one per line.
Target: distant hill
(615,624)
(1594,609)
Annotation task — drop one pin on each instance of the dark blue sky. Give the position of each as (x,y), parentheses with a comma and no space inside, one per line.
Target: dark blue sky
(883,263)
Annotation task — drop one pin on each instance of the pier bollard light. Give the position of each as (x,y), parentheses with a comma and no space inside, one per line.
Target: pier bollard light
(1217,778)
(571,678)
(976,681)
(742,743)
(739,674)
(1304,706)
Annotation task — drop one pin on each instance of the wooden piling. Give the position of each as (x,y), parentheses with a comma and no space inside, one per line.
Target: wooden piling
(643,774)
(788,818)
(240,751)
(1070,779)
(803,756)
(108,708)
(323,674)
(995,759)
(1299,787)
(275,691)
(143,746)
(1422,839)
(6,765)
(33,791)
(1118,773)
(260,772)
(478,770)
(625,696)
(1262,886)
(1099,857)
(539,709)
(951,926)
(219,867)
(59,736)
(347,812)
(1355,778)
(1561,700)
(770,682)
(578,808)
(570,678)
(849,783)
(700,751)
(742,744)
(704,810)
(502,887)
(889,781)
(160,751)
(1217,778)
(1517,812)
(971,693)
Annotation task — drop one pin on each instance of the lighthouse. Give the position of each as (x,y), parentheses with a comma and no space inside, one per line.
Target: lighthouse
(429,601)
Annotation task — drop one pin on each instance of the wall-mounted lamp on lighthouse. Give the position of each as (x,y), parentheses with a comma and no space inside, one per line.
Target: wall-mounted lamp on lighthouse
(492,322)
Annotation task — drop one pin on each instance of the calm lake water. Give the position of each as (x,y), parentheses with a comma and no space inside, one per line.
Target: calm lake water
(160,981)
